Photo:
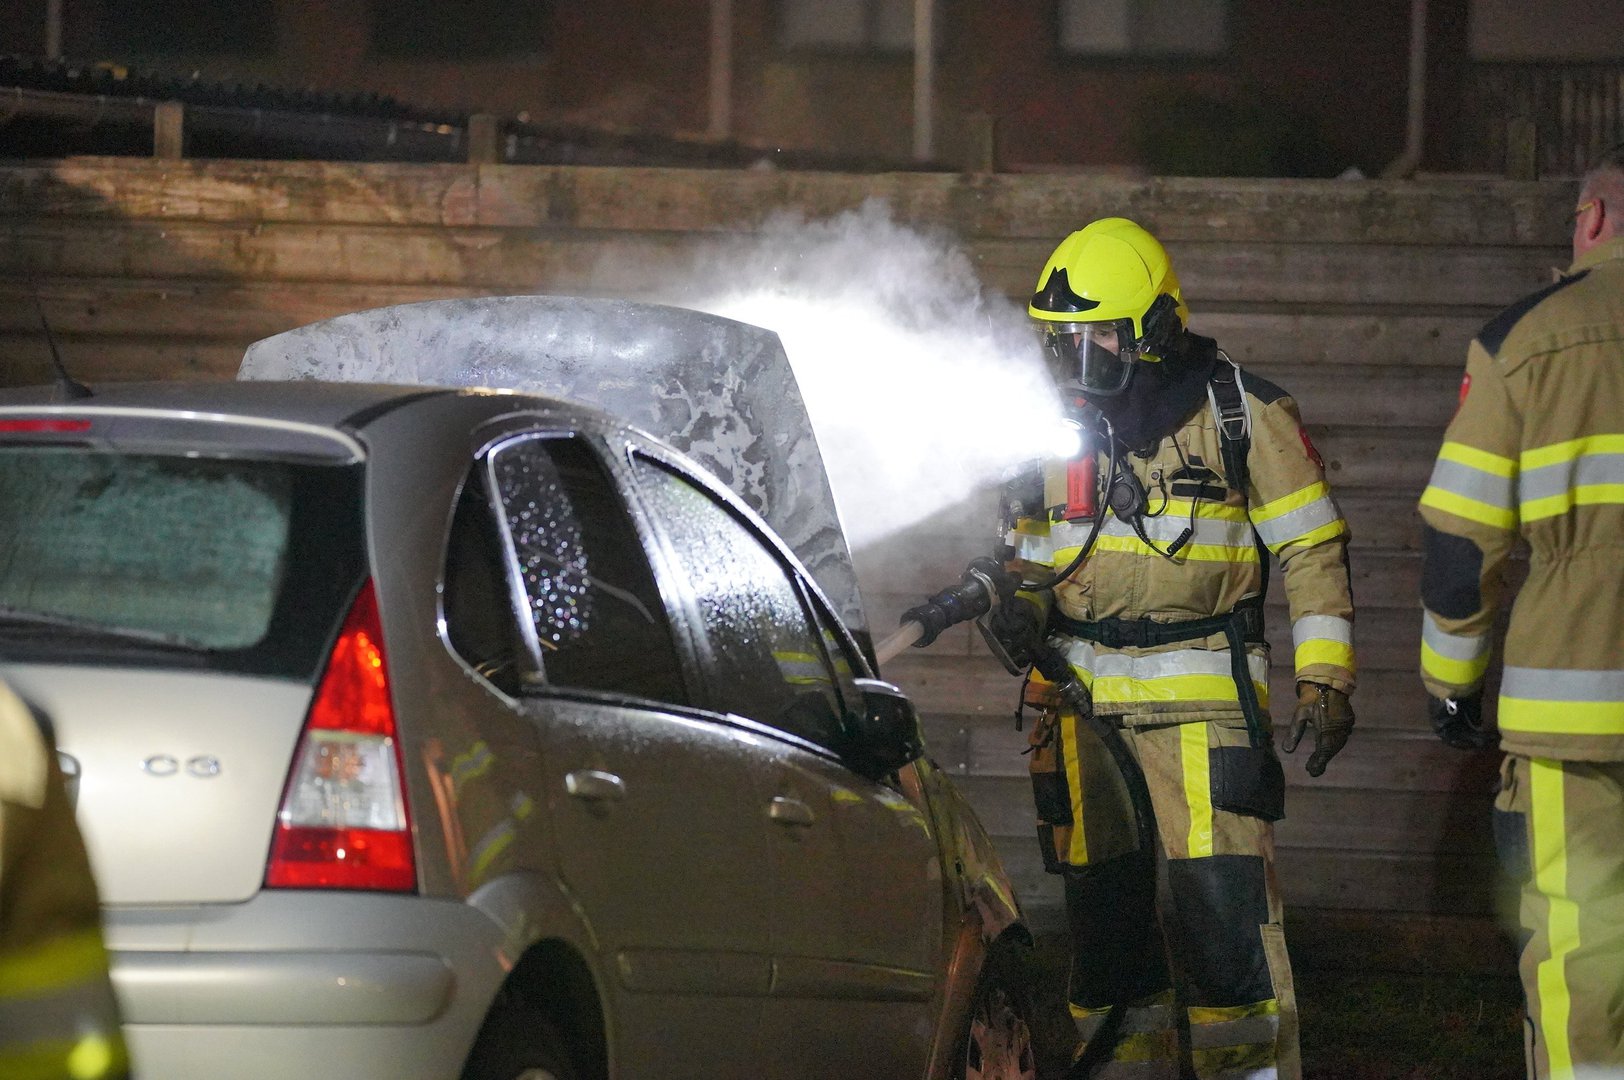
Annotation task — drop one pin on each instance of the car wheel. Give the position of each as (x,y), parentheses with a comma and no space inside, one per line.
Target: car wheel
(518,1042)
(998,1043)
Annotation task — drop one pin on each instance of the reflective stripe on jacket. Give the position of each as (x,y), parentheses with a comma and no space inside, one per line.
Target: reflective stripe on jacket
(58,1016)
(1288,507)
(1536,452)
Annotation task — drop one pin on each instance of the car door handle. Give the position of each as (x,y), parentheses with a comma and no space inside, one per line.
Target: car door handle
(787,811)
(594,786)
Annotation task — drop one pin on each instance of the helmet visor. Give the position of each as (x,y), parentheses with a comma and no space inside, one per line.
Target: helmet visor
(1096,358)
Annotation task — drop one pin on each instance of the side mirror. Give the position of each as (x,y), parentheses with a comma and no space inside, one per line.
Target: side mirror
(885,735)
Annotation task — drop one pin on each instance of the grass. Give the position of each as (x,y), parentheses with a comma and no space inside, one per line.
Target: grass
(1374,1025)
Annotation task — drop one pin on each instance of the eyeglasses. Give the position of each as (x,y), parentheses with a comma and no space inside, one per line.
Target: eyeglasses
(1582,207)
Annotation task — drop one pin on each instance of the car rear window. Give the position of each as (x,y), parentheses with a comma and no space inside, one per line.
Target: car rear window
(168,559)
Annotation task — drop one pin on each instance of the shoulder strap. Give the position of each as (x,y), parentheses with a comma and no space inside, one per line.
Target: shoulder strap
(1227,397)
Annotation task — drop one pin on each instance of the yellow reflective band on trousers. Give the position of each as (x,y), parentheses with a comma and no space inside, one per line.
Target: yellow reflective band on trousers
(1550,867)
(1146,1047)
(1077,849)
(1197,787)
(1552,701)
(1235,1040)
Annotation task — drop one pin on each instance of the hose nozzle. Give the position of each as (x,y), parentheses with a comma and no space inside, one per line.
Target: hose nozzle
(983,584)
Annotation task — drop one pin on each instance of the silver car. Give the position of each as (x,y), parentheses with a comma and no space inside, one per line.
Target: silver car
(435,733)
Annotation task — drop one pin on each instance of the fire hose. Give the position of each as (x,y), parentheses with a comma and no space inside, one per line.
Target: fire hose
(984,587)
(981,589)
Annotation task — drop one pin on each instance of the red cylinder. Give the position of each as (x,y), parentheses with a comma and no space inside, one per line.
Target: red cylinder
(1081,487)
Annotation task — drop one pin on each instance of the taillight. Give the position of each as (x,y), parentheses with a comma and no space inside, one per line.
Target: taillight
(42,426)
(343,821)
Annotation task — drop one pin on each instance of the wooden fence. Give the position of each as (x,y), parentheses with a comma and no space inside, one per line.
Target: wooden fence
(1359,297)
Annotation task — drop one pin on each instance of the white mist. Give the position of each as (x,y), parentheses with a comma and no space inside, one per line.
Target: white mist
(922,387)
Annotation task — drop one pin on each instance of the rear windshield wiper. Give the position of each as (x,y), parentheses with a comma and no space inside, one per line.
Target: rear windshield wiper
(80,626)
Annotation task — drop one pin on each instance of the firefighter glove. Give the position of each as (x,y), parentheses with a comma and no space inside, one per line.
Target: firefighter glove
(1014,625)
(1330,713)
(1459,722)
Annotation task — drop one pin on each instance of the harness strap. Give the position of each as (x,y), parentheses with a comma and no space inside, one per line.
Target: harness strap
(1228,399)
(1246,619)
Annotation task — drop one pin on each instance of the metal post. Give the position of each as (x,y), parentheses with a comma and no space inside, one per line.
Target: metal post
(53,29)
(1522,148)
(169,130)
(721,71)
(1416,115)
(483,136)
(924,100)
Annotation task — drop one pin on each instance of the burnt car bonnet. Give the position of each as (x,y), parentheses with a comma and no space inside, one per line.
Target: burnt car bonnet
(719,390)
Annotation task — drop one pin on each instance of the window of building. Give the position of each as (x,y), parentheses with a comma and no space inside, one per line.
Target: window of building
(134,28)
(853,25)
(459,29)
(1144,28)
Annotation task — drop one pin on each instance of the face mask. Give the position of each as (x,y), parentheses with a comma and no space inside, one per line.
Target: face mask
(1094,358)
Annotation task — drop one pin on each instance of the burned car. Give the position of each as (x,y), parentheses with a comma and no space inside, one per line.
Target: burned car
(426,732)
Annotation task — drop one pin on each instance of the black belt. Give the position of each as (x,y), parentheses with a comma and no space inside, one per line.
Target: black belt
(1148,633)
(1242,626)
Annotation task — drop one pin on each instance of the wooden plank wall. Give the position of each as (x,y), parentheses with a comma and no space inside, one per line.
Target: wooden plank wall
(1359,297)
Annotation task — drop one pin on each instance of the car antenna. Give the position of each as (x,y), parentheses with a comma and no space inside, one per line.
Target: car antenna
(67,388)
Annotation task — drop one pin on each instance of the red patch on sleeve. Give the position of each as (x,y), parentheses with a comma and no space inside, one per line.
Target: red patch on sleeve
(1465,388)
(1308,445)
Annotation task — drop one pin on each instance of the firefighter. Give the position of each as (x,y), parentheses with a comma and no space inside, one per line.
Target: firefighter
(1157,562)
(1535,454)
(58,1016)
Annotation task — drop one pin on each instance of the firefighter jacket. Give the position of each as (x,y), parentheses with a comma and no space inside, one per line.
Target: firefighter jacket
(58,1016)
(1536,453)
(1287,509)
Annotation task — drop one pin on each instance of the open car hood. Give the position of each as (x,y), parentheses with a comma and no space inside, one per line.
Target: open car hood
(720,391)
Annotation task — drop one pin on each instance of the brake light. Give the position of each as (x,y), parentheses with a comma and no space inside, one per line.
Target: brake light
(343,822)
(33,427)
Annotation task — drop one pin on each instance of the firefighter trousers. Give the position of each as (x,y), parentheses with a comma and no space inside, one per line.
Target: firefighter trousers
(1221,928)
(1557,826)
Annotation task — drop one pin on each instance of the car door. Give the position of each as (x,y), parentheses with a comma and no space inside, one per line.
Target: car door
(857,897)
(654,805)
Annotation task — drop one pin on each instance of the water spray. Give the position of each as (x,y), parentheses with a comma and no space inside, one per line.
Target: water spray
(923,388)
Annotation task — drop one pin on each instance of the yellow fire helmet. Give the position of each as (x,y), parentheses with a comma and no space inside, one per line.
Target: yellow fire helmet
(1107,298)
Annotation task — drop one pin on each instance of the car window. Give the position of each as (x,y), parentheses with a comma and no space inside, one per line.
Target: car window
(836,650)
(157,558)
(478,605)
(589,594)
(767,656)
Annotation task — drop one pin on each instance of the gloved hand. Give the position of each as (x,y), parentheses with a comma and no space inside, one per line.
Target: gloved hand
(1459,722)
(1331,715)
(1013,626)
